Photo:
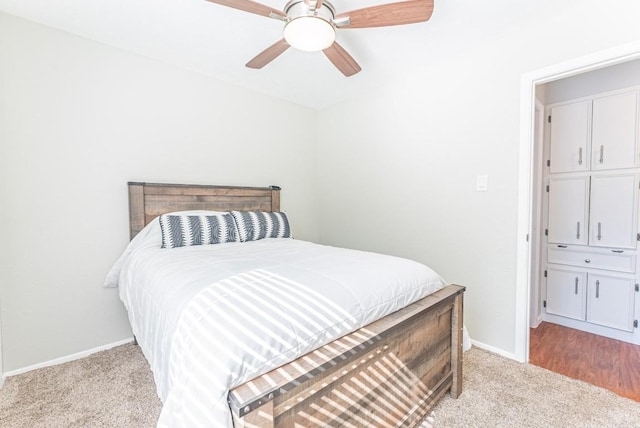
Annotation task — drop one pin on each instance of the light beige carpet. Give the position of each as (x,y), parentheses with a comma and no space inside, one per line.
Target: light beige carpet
(112,388)
(115,388)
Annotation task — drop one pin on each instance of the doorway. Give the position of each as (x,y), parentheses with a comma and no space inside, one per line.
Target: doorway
(526,185)
(530,215)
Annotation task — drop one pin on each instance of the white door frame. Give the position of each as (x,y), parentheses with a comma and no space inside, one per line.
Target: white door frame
(536,214)
(526,186)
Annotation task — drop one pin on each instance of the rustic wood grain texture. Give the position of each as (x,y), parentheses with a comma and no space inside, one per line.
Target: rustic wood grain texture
(389,373)
(150,200)
(136,209)
(263,418)
(456,347)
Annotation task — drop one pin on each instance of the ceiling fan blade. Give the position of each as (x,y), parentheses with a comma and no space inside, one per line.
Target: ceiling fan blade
(269,54)
(341,59)
(405,12)
(251,7)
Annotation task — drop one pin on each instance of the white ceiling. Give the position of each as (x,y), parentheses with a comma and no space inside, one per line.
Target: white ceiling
(218,41)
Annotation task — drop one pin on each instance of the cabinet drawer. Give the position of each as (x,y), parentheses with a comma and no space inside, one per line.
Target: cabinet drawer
(624,261)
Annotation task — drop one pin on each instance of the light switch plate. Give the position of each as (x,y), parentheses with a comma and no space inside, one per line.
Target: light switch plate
(482,183)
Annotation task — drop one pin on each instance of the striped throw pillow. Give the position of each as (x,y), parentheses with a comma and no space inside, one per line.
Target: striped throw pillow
(187,230)
(255,225)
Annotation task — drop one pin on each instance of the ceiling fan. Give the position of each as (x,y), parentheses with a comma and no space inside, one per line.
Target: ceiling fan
(310,25)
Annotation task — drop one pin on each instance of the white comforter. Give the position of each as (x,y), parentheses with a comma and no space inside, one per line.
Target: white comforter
(209,318)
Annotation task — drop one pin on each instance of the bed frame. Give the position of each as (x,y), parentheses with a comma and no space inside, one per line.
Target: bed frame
(389,373)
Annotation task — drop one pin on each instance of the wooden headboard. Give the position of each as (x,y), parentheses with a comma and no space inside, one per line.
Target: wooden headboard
(149,200)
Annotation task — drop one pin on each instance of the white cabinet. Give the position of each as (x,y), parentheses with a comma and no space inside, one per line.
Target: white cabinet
(566,292)
(610,300)
(598,298)
(570,137)
(568,210)
(615,132)
(595,210)
(592,214)
(613,211)
(595,134)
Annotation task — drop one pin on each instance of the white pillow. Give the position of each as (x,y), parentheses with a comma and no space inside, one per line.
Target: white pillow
(149,236)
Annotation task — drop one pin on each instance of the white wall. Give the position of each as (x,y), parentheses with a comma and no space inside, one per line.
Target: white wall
(77,121)
(4,255)
(397,167)
(603,80)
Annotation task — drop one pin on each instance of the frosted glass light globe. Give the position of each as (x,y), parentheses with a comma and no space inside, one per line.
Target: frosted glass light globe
(309,33)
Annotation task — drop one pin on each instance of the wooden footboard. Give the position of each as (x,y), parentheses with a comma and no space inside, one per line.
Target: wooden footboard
(387,374)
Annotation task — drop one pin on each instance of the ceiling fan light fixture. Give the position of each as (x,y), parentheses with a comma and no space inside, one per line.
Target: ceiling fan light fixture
(309,33)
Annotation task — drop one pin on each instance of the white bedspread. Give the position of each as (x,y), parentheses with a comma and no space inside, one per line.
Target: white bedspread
(209,318)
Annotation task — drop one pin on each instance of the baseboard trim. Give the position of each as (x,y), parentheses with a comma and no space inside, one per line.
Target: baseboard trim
(536,322)
(494,350)
(64,359)
(88,352)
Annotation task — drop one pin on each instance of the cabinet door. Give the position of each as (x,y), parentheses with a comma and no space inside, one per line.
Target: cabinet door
(568,210)
(570,133)
(610,301)
(615,132)
(613,211)
(565,292)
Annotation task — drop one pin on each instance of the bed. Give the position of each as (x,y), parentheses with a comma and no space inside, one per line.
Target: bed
(384,363)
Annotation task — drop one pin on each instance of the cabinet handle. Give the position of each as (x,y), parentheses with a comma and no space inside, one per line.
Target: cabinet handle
(578,232)
(599,231)
(576,285)
(562,246)
(580,156)
(597,289)
(587,260)
(601,154)
(617,251)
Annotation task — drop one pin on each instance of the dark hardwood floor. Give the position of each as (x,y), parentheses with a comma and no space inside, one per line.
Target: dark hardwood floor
(601,361)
